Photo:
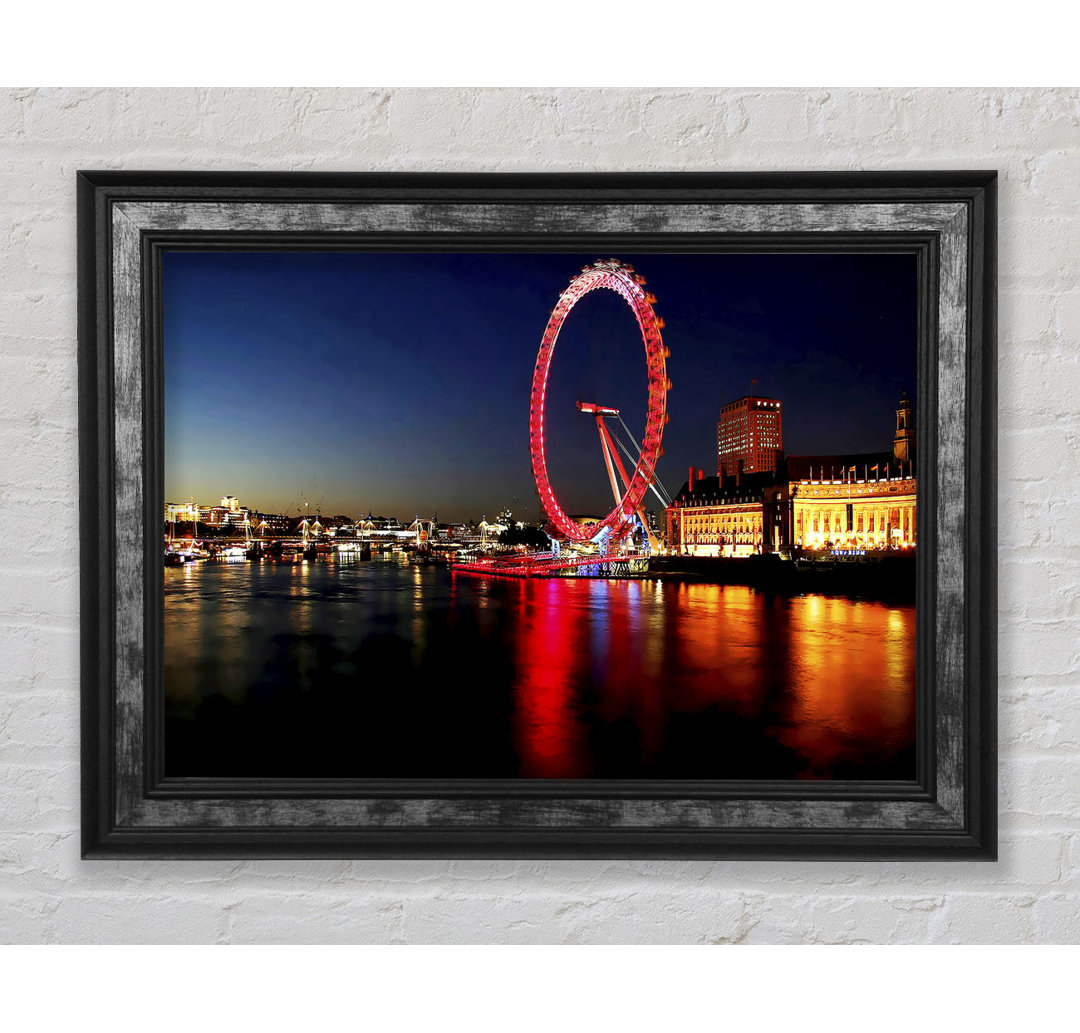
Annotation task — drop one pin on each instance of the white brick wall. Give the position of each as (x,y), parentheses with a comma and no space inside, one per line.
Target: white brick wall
(1031,894)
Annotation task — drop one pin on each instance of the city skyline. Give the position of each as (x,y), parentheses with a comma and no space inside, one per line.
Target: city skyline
(399,383)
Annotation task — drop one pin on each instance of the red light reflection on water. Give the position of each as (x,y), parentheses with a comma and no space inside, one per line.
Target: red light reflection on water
(829,679)
(550,737)
(574,677)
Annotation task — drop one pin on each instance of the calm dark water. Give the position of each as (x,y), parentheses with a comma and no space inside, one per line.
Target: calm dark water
(379,669)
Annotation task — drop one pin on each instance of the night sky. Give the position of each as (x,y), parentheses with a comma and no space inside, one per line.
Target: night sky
(399,383)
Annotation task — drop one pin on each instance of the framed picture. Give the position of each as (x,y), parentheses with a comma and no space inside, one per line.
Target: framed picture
(598,515)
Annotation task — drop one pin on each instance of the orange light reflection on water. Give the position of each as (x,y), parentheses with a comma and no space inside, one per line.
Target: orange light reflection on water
(853,678)
(593,678)
(830,678)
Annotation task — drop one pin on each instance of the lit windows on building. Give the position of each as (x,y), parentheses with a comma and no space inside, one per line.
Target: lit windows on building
(228,514)
(860,505)
(749,436)
(862,501)
(711,518)
(181,512)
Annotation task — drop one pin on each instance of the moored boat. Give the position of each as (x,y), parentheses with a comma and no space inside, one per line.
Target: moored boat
(177,555)
(232,552)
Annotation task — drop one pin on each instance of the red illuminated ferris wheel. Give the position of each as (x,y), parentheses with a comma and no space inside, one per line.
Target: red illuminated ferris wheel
(621,278)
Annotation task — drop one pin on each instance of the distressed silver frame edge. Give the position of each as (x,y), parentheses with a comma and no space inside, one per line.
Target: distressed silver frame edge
(288,826)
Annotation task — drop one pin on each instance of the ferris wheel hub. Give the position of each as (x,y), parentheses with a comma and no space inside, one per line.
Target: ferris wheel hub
(596,410)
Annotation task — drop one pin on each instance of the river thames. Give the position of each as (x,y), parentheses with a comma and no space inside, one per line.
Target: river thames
(383,669)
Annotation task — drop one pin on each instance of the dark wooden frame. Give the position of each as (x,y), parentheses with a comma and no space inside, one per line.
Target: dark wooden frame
(130,809)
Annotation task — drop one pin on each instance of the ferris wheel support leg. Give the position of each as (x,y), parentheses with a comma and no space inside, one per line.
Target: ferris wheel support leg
(609,455)
(612,455)
(605,444)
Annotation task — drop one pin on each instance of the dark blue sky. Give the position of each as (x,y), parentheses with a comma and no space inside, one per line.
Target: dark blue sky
(399,383)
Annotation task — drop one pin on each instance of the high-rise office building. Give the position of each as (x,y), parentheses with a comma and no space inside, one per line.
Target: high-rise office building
(750,433)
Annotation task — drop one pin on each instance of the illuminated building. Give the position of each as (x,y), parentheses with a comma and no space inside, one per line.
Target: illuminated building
(749,436)
(855,501)
(820,502)
(228,514)
(271,523)
(182,512)
(862,501)
(719,516)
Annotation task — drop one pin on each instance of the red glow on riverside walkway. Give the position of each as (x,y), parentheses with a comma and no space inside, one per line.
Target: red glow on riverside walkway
(540,564)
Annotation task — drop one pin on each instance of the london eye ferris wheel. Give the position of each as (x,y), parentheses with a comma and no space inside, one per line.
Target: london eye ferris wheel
(617,276)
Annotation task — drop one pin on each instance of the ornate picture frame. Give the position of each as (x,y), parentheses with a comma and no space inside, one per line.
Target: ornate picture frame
(128,220)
